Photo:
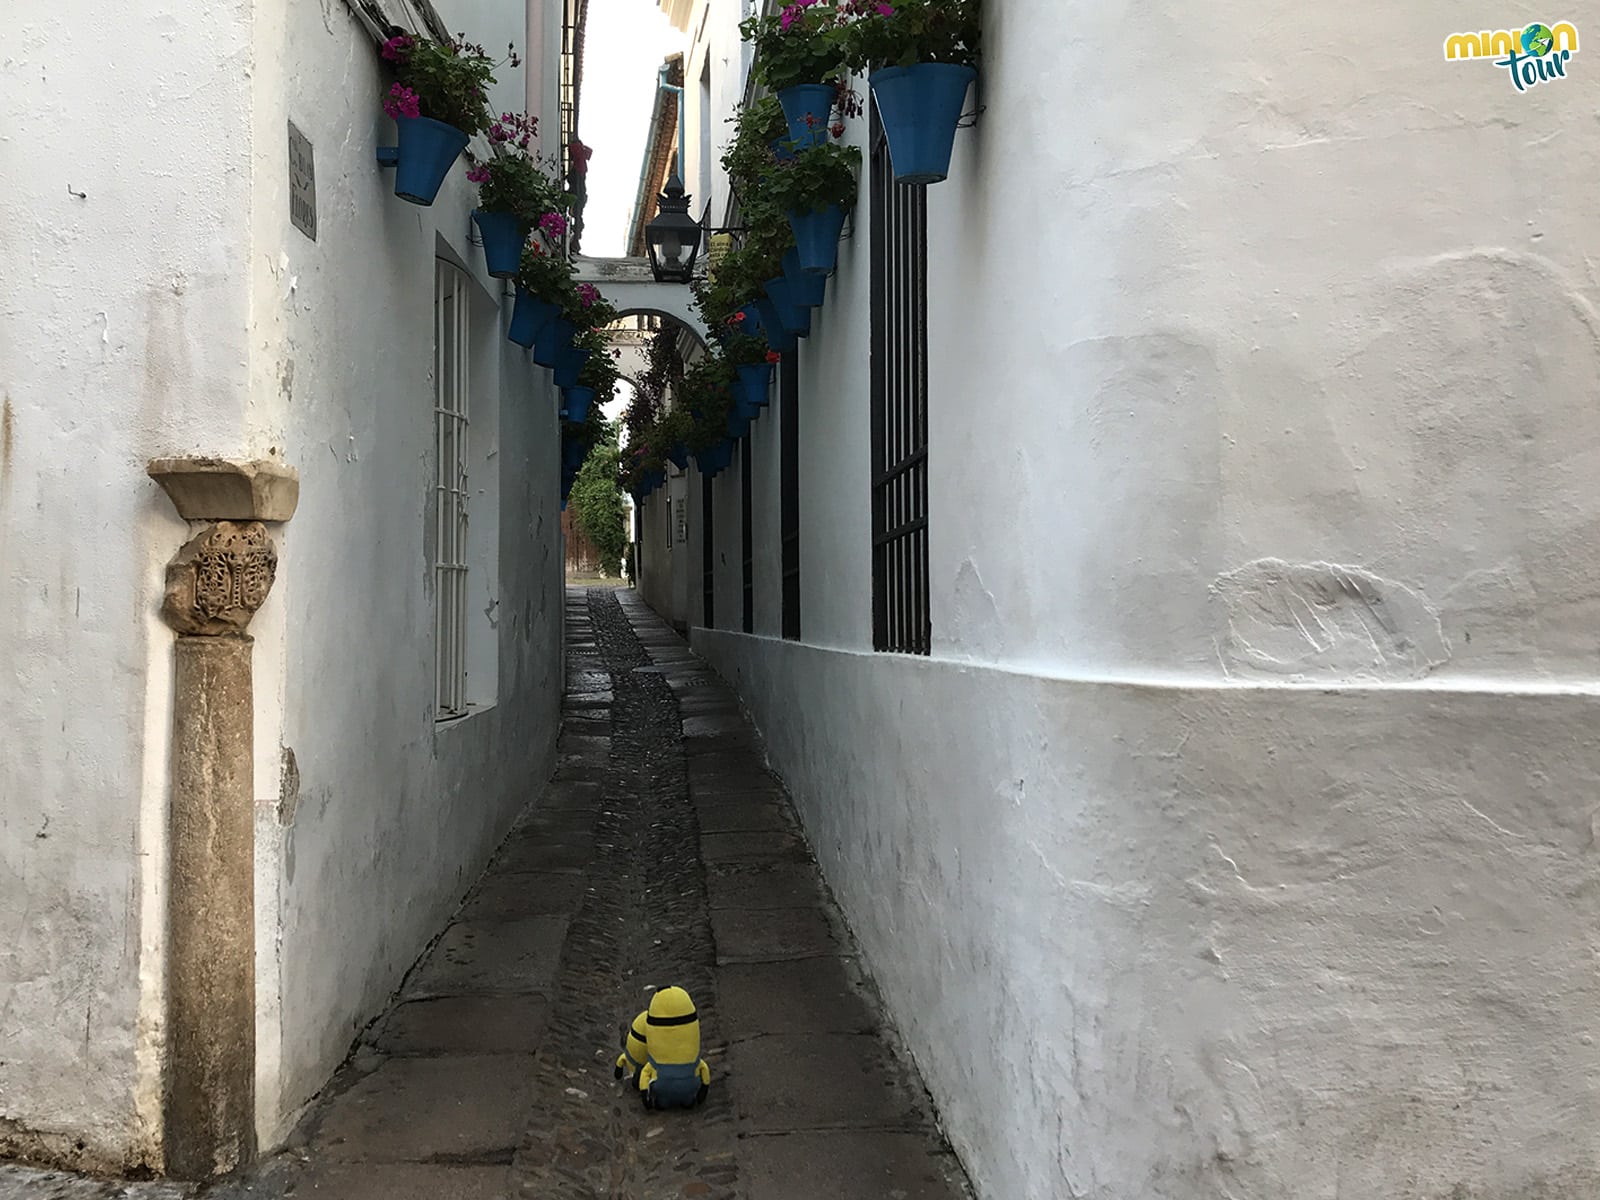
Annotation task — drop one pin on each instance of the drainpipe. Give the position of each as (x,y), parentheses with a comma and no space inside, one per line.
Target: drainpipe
(663,85)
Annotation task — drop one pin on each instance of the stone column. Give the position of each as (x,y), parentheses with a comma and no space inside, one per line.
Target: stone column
(215,584)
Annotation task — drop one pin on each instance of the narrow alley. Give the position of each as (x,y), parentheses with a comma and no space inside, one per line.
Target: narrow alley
(662,853)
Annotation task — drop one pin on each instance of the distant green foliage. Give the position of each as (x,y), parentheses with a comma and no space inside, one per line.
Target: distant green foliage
(597,506)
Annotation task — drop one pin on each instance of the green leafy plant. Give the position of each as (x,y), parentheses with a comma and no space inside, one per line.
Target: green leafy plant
(446,81)
(802,44)
(816,180)
(749,155)
(903,32)
(514,179)
(547,275)
(597,506)
(600,372)
(707,394)
(587,308)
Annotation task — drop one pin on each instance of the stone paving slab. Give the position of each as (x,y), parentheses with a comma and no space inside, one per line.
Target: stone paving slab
(18,1182)
(765,935)
(810,996)
(776,885)
(847,1165)
(743,818)
(789,1082)
(458,1108)
(531,894)
(518,955)
(524,855)
(752,847)
(465,1025)
(408,1181)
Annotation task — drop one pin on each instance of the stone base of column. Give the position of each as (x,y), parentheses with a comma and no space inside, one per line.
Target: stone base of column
(210,1095)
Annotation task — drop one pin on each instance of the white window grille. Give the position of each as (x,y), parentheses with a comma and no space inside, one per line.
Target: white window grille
(451,306)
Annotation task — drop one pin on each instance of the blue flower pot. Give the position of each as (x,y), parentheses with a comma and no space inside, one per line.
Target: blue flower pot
(757,381)
(503,237)
(555,337)
(749,322)
(779,338)
(678,456)
(805,289)
(796,320)
(528,316)
(568,364)
(816,238)
(783,152)
(427,150)
(578,400)
(807,100)
(572,455)
(920,107)
(716,459)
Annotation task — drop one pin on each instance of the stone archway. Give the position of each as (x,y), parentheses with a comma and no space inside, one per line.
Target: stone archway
(631,289)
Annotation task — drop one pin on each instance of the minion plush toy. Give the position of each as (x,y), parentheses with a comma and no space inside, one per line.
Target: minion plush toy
(632,1059)
(674,1074)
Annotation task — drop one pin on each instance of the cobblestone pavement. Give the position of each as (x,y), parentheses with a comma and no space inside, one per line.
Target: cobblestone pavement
(662,852)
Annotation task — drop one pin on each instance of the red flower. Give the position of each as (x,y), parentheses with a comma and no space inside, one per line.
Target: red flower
(774,357)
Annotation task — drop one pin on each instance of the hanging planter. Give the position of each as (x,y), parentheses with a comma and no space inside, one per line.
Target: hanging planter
(503,236)
(795,319)
(577,401)
(568,363)
(678,456)
(426,151)
(806,289)
(779,338)
(555,337)
(756,379)
(816,238)
(806,108)
(920,107)
(715,459)
(529,315)
(572,455)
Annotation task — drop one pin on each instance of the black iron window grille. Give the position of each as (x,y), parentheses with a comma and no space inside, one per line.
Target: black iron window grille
(747,536)
(708,553)
(789,490)
(899,256)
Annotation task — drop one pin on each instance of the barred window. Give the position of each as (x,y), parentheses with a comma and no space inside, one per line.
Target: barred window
(452,331)
(899,256)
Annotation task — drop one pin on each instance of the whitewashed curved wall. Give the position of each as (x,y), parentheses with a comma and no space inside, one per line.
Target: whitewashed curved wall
(156,301)
(1238,837)
(124,202)
(393,815)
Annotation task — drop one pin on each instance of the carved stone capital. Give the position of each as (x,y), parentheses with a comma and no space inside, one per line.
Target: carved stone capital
(219,579)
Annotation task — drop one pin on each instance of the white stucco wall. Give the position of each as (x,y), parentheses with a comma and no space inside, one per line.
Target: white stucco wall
(394,814)
(1190,864)
(159,302)
(126,258)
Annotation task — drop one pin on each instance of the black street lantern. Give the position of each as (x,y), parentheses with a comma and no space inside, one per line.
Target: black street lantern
(673,238)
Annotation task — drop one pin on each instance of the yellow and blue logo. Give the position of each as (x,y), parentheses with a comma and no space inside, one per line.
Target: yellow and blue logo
(1533,54)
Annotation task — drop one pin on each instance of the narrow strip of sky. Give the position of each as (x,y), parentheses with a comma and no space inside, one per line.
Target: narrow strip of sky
(624,46)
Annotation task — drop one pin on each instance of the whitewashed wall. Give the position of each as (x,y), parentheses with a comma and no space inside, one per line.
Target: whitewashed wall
(1189,864)
(394,814)
(159,302)
(124,297)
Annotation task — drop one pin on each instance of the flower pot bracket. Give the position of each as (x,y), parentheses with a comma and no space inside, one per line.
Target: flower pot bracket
(388,156)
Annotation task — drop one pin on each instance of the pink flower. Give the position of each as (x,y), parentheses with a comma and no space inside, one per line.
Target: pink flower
(401,102)
(885,10)
(553,224)
(396,48)
(588,294)
(479,174)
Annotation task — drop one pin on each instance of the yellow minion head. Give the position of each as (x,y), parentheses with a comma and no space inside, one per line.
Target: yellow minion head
(673,1027)
(634,1048)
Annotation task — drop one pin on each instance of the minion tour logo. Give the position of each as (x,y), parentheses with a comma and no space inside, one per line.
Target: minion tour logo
(1532,55)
